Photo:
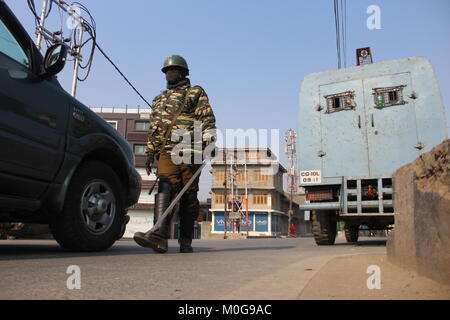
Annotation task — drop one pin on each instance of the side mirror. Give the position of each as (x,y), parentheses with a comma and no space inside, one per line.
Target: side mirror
(54,61)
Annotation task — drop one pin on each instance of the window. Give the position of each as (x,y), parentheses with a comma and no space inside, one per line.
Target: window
(261,177)
(113,123)
(340,101)
(219,176)
(277,180)
(260,199)
(390,96)
(10,47)
(240,176)
(252,155)
(275,201)
(139,149)
(220,198)
(141,125)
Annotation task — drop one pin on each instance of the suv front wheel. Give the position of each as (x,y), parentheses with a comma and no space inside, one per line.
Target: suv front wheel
(93,213)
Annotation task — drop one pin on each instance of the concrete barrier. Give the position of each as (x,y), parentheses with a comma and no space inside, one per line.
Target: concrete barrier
(421,239)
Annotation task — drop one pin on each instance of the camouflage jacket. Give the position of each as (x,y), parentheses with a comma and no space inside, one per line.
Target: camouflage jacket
(197,108)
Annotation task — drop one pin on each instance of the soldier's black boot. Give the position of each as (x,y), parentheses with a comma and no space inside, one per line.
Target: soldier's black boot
(157,239)
(189,210)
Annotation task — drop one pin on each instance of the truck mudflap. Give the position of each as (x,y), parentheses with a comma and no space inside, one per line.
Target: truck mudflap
(359,196)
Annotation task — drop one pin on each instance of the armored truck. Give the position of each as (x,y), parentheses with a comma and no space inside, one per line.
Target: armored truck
(356,127)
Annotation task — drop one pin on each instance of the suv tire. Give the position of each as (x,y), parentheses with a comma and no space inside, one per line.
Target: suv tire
(93,213)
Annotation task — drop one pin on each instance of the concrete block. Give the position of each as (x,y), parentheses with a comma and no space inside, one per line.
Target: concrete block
(421,238)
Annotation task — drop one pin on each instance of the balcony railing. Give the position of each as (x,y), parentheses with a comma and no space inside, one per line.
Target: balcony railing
(126,109)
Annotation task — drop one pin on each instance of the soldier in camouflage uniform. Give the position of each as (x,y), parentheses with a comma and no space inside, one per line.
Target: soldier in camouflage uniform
(177,162)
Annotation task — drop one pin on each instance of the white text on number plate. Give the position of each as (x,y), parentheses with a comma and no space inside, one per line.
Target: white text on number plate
(310,176)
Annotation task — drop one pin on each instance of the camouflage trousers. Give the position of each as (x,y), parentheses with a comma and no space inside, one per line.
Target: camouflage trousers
(177,175)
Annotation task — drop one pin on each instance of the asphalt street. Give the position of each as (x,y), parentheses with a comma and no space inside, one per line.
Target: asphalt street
(218,269)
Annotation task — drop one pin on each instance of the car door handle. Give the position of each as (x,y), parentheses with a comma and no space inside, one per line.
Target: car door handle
(373,121)
(359,122)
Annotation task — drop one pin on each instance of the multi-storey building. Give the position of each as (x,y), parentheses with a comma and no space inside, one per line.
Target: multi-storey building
(258,171)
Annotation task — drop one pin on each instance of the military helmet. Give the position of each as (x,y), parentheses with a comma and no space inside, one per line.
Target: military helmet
(175,61)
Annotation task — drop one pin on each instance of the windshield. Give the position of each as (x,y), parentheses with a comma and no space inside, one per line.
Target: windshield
(10,47)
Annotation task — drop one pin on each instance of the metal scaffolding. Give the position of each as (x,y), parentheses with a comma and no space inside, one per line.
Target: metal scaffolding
(57,37)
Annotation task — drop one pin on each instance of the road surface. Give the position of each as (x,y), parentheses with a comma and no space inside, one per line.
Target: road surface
(218,269)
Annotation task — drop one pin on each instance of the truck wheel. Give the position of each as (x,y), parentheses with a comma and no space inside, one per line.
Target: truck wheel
(324,227)
(351,233)
(93,213)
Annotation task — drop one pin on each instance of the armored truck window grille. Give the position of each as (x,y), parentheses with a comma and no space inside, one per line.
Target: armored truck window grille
(340,101)
(390,96)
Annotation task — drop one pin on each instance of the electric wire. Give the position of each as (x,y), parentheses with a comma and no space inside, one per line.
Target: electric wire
(32,7)
(120,72)
(91,28)
(345,33)
(338,37)
(340,23)
(49,9)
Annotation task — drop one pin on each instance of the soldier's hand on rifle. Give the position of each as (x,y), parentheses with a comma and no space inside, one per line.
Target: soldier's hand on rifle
(149,163)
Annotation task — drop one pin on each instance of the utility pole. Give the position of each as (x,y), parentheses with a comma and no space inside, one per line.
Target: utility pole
(246,194)
(226,194)
(232,193)
(77,60)
(291,150)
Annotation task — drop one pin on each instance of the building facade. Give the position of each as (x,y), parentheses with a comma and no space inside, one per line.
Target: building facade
(258,172)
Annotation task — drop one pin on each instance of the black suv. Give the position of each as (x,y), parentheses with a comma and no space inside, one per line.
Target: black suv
(60,163)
